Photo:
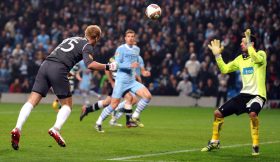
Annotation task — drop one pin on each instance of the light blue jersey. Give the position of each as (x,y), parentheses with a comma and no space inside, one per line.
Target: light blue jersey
(141,63)
(125,78)
(125,56)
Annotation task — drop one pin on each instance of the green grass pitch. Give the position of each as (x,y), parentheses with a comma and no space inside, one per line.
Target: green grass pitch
(170,134)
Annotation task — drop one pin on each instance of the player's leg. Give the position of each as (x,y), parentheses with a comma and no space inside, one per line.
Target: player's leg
(95,107)
(254,125)
(216,128)
(254,106)
(128,110)
(117,114)
(105,113)
(146,96)
(39,90)
(225,110)
(61,88)
(61,118)
(25,111)
(118,90)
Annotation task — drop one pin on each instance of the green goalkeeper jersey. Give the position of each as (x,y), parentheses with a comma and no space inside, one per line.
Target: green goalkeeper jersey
(252,70)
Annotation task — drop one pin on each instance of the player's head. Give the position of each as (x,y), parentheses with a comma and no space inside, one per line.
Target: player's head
(130,37)
(93,34)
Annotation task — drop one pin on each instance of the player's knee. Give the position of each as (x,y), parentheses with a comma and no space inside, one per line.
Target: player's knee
(114,104)
(148,95)
(218,114)
(253,114)
(106,102)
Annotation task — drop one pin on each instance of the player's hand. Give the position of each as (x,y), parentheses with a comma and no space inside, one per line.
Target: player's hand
(134,65)
(146,73)
(113,66)
(247,34)
(216,47)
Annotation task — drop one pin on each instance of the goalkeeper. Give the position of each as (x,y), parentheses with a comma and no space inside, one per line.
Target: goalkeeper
(252,66)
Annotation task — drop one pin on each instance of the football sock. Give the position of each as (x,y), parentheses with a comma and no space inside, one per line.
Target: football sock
(217,124)
(140,107)
(128,112)
(23,115)
(95,107)
(62,116)
(105,113)
(100,104)
(119,113)
(254,123)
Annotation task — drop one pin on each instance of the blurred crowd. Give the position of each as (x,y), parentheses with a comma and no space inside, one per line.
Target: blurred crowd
(174,48)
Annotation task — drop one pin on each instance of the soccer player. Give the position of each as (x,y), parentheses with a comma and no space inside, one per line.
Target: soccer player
(127,58)
(53,73)
(123,107)
(252,66)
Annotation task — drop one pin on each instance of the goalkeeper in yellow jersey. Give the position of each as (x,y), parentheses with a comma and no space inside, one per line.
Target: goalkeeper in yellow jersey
(252,67)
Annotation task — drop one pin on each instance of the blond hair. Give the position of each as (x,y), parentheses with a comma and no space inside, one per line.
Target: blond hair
(128,31)
(93,31)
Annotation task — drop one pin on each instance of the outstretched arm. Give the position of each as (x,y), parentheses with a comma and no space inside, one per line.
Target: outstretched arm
(260,57)
(217,49)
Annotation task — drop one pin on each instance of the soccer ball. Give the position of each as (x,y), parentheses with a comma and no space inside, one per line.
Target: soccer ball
(153,11)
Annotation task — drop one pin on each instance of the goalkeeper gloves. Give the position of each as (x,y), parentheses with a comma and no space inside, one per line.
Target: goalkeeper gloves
(216,47)
(247,34)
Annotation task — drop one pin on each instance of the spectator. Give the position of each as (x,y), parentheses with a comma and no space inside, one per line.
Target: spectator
(184,87)
(15,87)
(209,89)
(5,77)
(193,66)
(25,87)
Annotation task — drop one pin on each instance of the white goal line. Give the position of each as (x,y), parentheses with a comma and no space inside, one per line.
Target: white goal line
(184,151)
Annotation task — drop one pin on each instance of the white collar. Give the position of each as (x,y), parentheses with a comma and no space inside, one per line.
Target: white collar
(128,47)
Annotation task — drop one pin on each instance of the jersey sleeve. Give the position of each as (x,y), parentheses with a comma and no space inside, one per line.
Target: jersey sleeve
(141,62)
(258,57)
(229,67)
(120,60)
(87,54)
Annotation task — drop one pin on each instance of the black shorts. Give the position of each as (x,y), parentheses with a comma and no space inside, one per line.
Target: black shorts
(52,74)
(243,103)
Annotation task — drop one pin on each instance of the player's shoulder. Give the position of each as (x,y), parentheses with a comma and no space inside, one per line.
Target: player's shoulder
(87,46)
(122,46)
(239,57)
(136,47)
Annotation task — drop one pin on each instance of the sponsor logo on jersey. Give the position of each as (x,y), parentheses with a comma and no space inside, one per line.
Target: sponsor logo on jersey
(248,70)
